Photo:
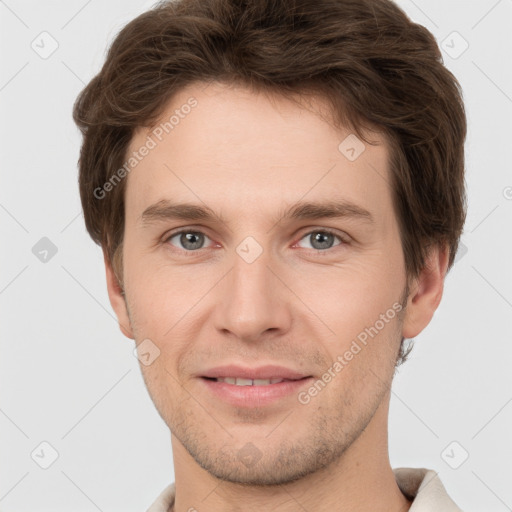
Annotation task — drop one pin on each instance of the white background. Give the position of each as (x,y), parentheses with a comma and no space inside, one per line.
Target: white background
(69,377)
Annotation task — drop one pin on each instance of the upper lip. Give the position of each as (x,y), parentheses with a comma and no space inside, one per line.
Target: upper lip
(261,372)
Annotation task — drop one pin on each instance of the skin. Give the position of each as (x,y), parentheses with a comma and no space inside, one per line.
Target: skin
(248,156)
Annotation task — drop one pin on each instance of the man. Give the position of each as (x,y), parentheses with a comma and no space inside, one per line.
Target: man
(278,188)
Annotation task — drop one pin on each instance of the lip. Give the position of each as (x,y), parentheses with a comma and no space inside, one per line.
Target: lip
(261,372)
(254,396)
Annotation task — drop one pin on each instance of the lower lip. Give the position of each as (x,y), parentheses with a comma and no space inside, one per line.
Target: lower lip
(254,396)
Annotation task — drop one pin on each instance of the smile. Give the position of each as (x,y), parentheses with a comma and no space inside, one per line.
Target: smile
(239,381)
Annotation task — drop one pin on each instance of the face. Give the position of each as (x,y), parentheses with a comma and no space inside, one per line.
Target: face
(259,279)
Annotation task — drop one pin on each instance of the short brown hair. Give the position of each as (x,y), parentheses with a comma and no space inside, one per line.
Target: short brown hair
(374,66)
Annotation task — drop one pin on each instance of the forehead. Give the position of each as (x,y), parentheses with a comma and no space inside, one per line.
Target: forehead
(230,146)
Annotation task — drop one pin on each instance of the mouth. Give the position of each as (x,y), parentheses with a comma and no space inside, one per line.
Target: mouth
(244,393)
(240,381)
(243,386)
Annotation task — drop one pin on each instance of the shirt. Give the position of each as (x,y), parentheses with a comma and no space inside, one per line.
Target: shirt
(421,485)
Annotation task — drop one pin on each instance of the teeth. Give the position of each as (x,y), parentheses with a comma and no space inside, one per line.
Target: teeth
(261,382)
(243,382)
(238,381)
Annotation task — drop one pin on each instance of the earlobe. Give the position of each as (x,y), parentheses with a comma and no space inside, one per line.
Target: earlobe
(117,299)
(426,292)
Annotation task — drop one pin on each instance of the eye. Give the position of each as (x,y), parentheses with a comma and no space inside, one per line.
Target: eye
(321,239)
(189,240)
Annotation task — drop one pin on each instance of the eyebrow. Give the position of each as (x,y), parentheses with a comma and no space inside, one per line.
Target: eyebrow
(167,210)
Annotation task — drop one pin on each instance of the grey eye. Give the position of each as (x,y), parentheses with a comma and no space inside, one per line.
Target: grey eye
(189,240)
(321,240)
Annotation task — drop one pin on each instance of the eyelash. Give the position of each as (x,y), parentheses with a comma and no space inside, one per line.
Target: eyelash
(343,240)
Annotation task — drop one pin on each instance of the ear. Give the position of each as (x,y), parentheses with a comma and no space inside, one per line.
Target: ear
(426,292)
(117,300)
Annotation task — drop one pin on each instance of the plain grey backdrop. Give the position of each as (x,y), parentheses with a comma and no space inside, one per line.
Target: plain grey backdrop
(78,430)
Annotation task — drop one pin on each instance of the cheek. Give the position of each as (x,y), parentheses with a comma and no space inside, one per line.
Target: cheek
(165,302)
(346,297)
(350,296)
(153,289)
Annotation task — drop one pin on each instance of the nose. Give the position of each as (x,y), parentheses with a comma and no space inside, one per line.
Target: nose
(252,302)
